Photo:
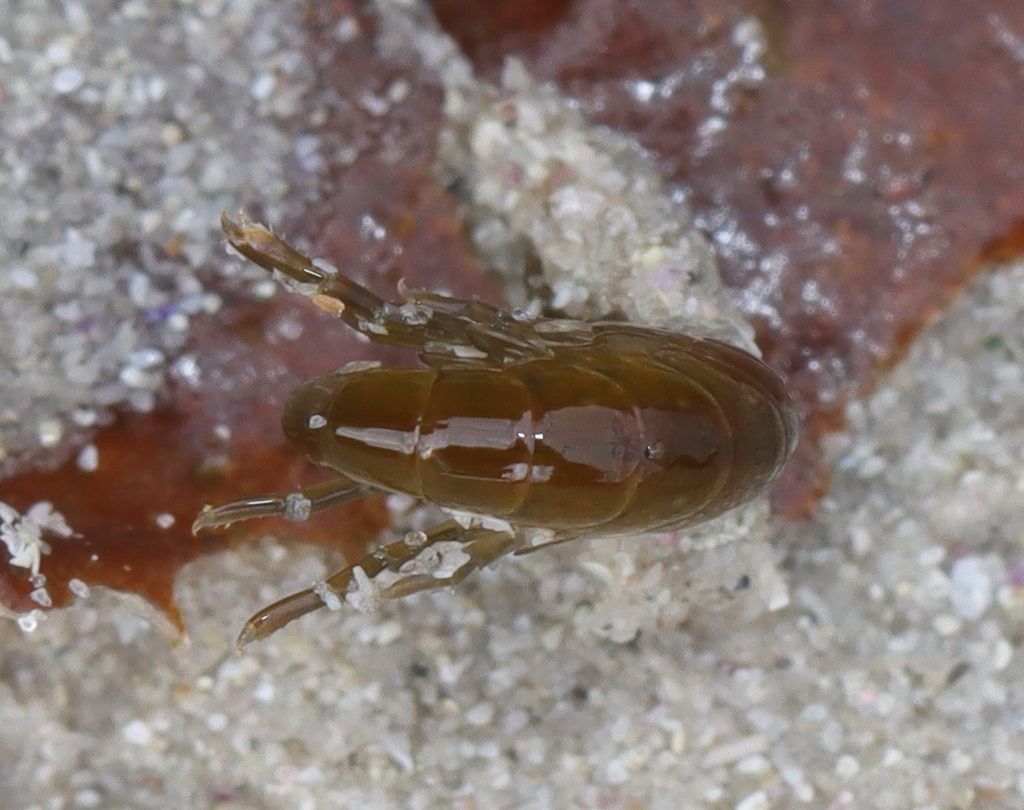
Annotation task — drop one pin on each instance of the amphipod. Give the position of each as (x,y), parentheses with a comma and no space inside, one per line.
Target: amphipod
(520,428)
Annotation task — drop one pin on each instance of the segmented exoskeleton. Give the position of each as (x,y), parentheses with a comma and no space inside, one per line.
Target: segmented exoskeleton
(530,431)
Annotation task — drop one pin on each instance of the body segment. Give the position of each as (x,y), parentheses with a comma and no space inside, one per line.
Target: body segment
(634,430)
(561,426)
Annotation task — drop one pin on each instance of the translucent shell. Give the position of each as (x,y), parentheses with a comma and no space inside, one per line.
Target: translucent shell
(577,429)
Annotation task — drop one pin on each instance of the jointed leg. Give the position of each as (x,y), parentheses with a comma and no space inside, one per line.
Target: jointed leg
(443,556)
(556,540)
(444,330)
(297,506)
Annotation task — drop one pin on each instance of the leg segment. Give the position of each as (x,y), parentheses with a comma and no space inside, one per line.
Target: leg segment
(446,331)
(443,556)
(297,506)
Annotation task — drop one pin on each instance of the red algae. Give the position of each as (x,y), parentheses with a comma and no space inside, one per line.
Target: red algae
(211,438)
(384,213)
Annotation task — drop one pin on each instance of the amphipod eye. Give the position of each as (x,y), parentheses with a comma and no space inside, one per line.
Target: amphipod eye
(655,451)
